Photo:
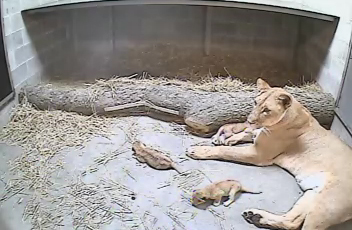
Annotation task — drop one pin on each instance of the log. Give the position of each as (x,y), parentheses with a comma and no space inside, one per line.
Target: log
(203,112)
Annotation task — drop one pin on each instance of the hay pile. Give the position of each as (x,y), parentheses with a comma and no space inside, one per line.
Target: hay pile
(43,137)
(207,84)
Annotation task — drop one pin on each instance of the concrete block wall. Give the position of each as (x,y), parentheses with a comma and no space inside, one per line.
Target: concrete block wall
(33,43)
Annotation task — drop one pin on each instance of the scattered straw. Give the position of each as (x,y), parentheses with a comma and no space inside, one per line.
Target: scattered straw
(188,180)
(103,160)
(179,130)
(220,218)
(313,87)
(90,205)
(209,83)
(43,135)
(149,221)
(132,130)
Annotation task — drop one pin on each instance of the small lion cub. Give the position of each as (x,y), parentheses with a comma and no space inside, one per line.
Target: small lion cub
(232,134)
(152,157)
(218,190)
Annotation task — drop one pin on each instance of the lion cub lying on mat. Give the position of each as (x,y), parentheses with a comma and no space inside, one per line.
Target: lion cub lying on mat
(292,138)
(218,190)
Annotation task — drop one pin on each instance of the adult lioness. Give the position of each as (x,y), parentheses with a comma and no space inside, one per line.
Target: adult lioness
(292,139)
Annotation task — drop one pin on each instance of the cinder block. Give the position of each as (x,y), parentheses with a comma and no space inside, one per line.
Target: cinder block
(7,25)
(26,4)
(16,22)
(329,82)
(336,67)
(11,7)
(35,66)
(24,53)
(31,80)
(343,31)
(26,37)
(19,75)
(42,2)
(14,40)
(339,48)
(11,60)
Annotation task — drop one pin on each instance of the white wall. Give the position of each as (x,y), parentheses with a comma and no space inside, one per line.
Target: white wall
(32,43)
(32,46)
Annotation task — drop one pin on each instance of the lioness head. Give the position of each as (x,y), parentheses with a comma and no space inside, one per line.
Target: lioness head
(270,105)
(198,197)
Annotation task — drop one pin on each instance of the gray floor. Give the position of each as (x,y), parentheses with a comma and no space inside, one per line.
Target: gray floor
(280,190)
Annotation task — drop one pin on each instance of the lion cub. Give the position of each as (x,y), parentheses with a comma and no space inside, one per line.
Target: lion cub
(153,157)
(232,134)
(218,190)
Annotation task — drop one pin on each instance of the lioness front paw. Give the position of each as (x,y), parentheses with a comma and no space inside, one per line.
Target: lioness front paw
(199,152)
(251,217)
(254,216)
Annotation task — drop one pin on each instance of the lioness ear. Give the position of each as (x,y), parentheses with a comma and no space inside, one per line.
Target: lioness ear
(285,100)
(262,85)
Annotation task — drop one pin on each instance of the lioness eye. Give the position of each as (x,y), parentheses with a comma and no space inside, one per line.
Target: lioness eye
(266,110)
